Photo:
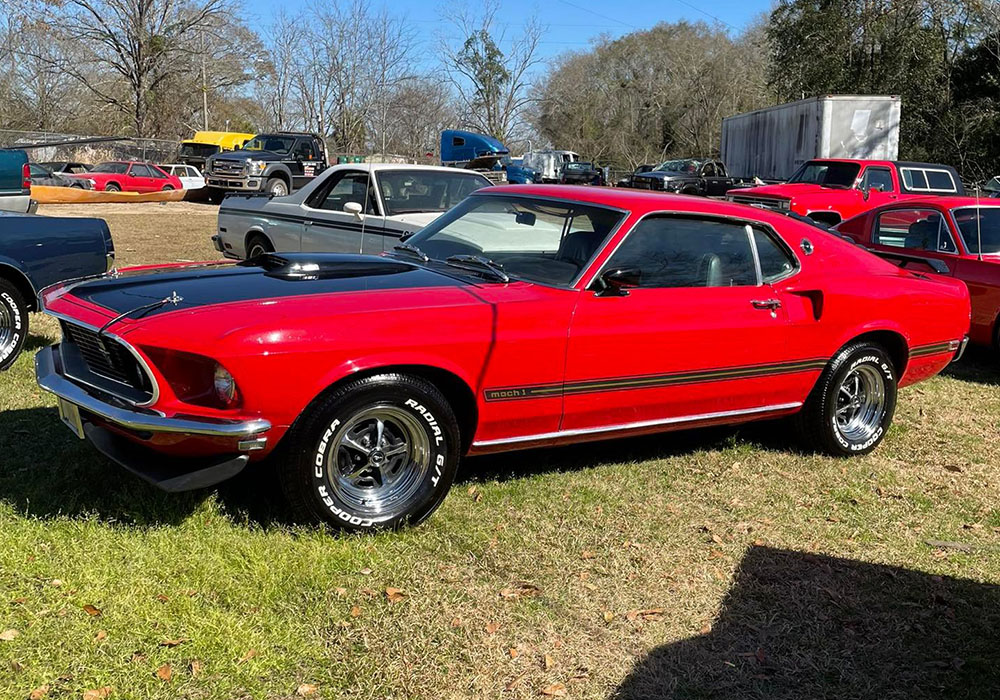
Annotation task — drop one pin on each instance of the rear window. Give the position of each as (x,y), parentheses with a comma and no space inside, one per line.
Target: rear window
(928,180)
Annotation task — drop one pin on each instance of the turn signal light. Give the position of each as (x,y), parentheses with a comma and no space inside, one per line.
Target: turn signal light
(196,379)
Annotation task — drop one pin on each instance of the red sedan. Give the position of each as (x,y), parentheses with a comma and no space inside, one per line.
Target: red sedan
(526,316)
(956,236)
(131,176)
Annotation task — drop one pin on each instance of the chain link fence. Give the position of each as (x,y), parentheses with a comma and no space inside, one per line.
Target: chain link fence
(47,146)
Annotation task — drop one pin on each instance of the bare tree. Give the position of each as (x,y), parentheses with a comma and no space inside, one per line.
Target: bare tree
(493,84)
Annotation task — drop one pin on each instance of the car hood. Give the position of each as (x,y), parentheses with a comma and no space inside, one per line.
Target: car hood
(147,293)
(268,156)
(666,175)
(789,191)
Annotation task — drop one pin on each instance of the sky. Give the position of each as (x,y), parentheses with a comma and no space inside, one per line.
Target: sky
(570,24)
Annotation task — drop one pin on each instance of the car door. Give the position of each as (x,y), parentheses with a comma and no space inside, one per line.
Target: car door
(140,178)
(880,186)
(701,335)
(918,233)
(304,163)
(327,227)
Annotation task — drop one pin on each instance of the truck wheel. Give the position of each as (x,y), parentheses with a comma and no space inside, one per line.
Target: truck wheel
(258,245)
(380,452)
(850,409)
(276,187)
(112,187)
(13,323)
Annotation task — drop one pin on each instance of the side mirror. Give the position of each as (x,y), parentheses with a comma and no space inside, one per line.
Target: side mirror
(616,281)
(354,208)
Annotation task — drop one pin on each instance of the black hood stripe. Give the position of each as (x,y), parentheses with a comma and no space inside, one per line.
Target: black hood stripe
(305,274)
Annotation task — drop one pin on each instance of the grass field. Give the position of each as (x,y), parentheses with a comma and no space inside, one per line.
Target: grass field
(706,564)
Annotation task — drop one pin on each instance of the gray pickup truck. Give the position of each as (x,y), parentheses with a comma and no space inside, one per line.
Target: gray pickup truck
(15,182)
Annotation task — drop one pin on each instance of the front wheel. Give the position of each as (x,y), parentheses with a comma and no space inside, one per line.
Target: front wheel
(168,188)
(112,187)
(13,324)
(276,187)
(380,452)
(851,407)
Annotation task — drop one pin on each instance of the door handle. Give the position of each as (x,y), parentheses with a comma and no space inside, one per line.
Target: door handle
(766,304)
(308,222)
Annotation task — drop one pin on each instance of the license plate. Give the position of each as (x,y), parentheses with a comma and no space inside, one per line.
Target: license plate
(70,415)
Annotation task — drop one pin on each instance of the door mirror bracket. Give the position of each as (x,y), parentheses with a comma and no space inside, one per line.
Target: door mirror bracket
(617,281)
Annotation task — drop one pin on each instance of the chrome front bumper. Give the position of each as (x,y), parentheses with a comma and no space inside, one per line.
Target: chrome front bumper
(132,418)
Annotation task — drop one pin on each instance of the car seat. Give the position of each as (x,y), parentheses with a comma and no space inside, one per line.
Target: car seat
(922,235)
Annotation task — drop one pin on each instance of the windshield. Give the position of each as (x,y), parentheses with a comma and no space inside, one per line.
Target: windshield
(985,227)
(412,191)
(39,171)
(578,165)
(827,173)
(543,241)
(199,150)
(687,165)
(113,168)
(275,144)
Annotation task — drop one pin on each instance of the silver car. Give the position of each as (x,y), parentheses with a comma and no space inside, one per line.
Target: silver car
(351,208)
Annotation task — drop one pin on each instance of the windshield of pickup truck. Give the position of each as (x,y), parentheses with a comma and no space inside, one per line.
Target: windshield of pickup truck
(414,191)
(550,242)
(680,166)
(827,174)
(275,144)
(112,168)
(199,150)
(984,226)
(579,165)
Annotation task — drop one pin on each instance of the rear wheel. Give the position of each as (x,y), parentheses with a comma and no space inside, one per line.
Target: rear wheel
(168,188)
(378,453)
(276,187)
(851,407)
(258,245)
(13,323)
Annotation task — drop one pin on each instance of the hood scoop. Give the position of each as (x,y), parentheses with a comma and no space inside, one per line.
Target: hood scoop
(317,266)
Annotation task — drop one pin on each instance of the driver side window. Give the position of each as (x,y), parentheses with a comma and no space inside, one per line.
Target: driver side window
(914,229)
(688,252)
(343,188)
(877,179)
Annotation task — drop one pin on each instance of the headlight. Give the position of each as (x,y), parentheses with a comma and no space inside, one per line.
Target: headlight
(256,167)
(225,386)
(196,379)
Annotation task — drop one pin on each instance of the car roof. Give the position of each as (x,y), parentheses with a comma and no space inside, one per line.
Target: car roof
(376,167)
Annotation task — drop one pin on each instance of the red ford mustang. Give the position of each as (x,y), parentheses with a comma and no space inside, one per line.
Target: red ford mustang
(957,236)
(121,176)
(526,316)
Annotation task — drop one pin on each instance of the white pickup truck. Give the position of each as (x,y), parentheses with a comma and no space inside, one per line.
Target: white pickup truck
(351,208)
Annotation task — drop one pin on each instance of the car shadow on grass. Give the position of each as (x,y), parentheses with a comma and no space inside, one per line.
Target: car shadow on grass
(979,365)
(45,472)
(797,625)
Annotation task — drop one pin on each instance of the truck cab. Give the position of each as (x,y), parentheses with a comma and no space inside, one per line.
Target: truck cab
(205,144)
(278,164)
(829,190)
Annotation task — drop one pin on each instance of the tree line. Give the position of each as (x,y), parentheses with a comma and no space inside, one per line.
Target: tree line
(360,74)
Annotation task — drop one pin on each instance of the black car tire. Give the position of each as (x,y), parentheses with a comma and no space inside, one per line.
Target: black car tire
(112,187)
(258,245)
(418,451)
(13,323)
(851,407)
(276,187)
(168,188)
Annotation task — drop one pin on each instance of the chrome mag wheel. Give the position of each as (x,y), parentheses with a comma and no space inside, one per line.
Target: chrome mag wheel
(7,329)
(861,403)
(378,459)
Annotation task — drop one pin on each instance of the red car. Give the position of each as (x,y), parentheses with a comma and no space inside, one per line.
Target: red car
(131,176)
(526,316)
(832,190)
(956,236)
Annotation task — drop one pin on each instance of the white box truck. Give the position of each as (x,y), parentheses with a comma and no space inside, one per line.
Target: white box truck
(771,143)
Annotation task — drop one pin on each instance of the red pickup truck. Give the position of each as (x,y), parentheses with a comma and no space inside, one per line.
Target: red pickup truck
(832,190)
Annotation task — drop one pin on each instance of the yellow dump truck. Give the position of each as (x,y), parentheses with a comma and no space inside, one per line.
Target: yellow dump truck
(196,150)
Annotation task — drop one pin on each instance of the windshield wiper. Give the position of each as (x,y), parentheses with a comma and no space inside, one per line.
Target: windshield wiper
(412,250)
(477,263)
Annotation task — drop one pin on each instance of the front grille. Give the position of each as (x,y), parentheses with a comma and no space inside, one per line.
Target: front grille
(228,168)
(104,363)
(648,183)
(759,201)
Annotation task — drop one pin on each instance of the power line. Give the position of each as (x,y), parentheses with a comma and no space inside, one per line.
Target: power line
(598,14)
(707,14)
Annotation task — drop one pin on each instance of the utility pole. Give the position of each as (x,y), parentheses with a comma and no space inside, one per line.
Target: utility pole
(204,82)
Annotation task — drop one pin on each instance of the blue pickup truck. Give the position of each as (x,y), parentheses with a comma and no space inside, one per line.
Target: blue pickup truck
(36,251)
(15,182)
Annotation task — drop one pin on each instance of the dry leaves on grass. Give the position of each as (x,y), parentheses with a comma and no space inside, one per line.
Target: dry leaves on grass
(101,636)
(249,655)
(355,611)
(165,673)
(648,614)
(162,598)
(548,662)
(98,693)
(556,690)
(521,590)
(306,690)
(91,610)
(492,627)
(9,635)
(395,595)
(39,693)
(173,642)
(195,667)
